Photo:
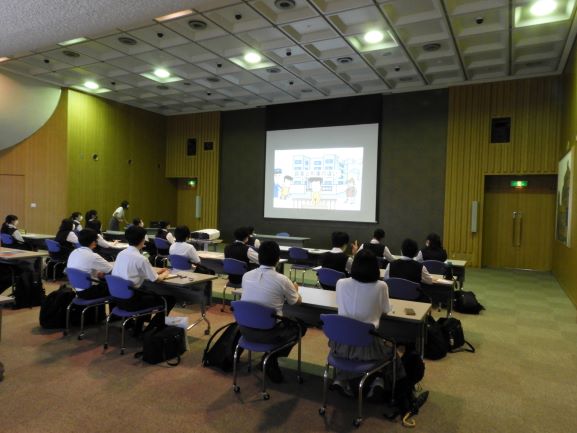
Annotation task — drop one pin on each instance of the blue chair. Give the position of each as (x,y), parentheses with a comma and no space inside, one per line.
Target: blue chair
(328,278)
(283,234)
(399,288)
(80,280)
(180,263)
(55,257)
(121,289)
(6,239)
(257,316)
(235,268)
(352,332)
(435,267)
(298,259)
(161,245)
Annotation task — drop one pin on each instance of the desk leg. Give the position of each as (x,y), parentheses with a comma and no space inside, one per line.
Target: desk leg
(422,339)
(205,247)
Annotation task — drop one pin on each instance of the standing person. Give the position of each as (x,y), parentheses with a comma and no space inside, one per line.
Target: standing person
(239,250)
(266,286)
(118,216)
(66,238)
(377,246)
(76,218)
(433,249)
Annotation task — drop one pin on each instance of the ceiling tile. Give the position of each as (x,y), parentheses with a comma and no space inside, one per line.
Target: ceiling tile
(314,29)
(301,10)
(237,18)
(159,36)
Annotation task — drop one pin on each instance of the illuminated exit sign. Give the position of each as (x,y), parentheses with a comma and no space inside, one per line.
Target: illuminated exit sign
(519,183)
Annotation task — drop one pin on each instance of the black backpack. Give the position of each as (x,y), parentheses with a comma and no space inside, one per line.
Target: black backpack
(454,335)
(161,344)
(28,291)
(466,302)
(221,354)
(53,309)
(436,346)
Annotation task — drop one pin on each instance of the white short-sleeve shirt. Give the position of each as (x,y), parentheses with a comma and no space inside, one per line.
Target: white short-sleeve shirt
(363,301)
(84,259)
(186,250)
(131,265)
(266,286)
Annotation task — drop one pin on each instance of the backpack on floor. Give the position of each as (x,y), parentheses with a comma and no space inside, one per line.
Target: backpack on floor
(221,354)
(53,308)
(28,291)
(466,302)
(163,344)
(436,346)
(454,335)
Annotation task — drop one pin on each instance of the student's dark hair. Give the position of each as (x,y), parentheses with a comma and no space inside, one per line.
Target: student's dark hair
(66,225)
(10,219)
(268,253)
(181,233)
(379,234)
(91,214)
(409,248)
(241,233)
(124,204)
(338,239)
(250,229)
(163,224)
(135,235)
(95,225)
(75,215)
(86,237)
(365,267)
(435,241)
(136,221)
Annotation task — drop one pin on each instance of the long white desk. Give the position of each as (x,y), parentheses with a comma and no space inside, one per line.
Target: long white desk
(291,241)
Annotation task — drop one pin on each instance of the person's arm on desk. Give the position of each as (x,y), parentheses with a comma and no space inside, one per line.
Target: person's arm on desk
(426,278)
(300,299)
(162,274)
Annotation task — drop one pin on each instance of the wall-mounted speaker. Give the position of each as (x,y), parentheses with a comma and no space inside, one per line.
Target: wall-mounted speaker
(501,130)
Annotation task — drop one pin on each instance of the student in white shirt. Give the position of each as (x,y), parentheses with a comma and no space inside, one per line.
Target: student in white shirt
(104,248)
(92,214)
(66,237)
(10,227)
(364,297)
(164,233)
(336,258)
(252,240)
(239,250)
(85,259)
(133,266)
(377,247)
(266,286)
(181,248)
(118,216)
(407,267)
(76,218)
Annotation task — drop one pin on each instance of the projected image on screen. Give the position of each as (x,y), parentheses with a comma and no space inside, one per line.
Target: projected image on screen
(327,173)
(318,178)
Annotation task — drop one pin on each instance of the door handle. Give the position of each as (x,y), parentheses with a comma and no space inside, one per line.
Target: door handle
(520,229)
(513,231)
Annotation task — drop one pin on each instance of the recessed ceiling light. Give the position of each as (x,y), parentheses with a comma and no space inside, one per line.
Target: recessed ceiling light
(345,60)
(91,85)
(284,4)
(127,41)
(70,53)
(432,47)
(542,8)
(161,73)
(4,59)
(72,42)
(197,24)
(174,15)
(374,37)
(252,58)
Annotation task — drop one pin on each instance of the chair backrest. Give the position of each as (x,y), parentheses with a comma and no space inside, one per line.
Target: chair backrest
(253,315)
(283,234)
(161,244)
(77,245)
(329,277)
(345,330)
(53,246)
(296,253)
(119,287)
(399,288)
(234,267)
(78,279)
(180,262)
(6,239)
(435,267)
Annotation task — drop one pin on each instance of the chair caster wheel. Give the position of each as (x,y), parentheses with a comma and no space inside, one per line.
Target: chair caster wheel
(300,380)
(236,389)
(357,422)
(207,332)
(322,411)
(265,396)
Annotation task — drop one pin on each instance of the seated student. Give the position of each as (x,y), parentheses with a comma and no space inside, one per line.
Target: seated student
(364,297)
(181,247)
(10,227)
(408,268)
(66,237)
(252,240)
(76,218)
(239,250)
(85,259)
(336,258)
(92,214)
(133,266)
(266,286)
(377,247)
(163,233)
(103,247)
(433,249)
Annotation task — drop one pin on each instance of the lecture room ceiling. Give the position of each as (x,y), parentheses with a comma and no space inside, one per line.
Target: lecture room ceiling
(227,54)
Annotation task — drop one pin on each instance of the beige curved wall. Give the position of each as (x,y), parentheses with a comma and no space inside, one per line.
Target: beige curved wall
(25,106)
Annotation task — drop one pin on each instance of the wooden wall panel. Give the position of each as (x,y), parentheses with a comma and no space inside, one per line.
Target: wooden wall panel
(41,159)
(533,106)
(117,134)
(205,127)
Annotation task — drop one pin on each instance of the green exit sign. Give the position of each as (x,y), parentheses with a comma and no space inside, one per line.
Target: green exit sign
(192,183)
(519,183)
